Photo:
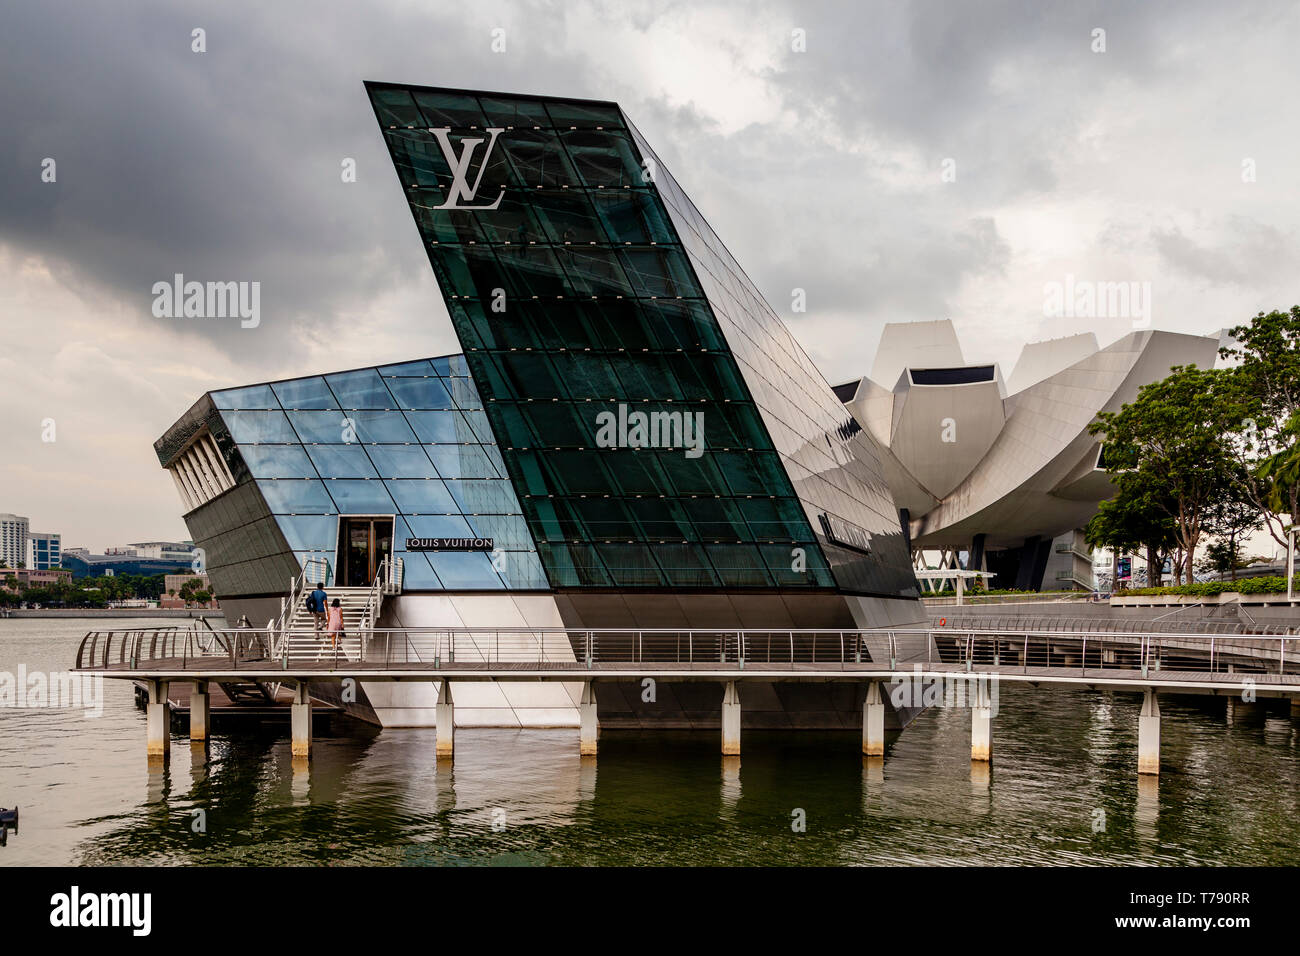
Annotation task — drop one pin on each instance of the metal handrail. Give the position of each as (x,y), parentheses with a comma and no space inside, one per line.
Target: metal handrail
(968,649)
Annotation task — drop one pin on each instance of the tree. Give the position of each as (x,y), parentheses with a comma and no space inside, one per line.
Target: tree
(1167,448)
(1264,392)
(1229,519)
(1133,520)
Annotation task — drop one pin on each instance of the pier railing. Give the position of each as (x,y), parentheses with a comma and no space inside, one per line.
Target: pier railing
(523,649)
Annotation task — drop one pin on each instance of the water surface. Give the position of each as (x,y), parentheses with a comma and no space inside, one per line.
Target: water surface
(1062,790)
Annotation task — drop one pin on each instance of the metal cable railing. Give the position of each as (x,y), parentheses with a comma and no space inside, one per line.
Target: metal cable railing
(525,649)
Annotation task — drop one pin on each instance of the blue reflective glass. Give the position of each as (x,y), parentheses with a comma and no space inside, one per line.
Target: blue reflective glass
(310,532)
(254,427)
(438,526)
(304,393)
(341,461)
(463,393)
(484,497)
(462,461)
(360,497)
(523,570)
(465,570)
(420,392)
(441,427)
(422,367)
(427,496)
(416,572)
(508,532)
(296,497)
(401,461)
(277,461)
(255,396)
(332,427)
(335,428)
(360,389)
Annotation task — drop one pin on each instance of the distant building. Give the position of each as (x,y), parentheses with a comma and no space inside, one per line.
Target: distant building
(10,579)
(164,550)
(45,551)
(174,583)
(998,475)
(13,540)
(83,564)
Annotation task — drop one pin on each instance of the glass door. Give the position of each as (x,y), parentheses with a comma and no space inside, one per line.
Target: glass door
(364,543)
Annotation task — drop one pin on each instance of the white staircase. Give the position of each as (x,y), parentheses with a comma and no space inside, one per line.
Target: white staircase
(293,634)
(304,645)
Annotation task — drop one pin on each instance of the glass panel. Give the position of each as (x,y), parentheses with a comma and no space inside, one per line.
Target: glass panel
(395,108)
(277,461)
(310,532)
(604,158)
(456,110)
(255,427)
(483,497)
(539,160)
(422,497)
(419,393)
(438,526)
(401,461)
(567,217)
(341,461)
(501,111)
(440,427)
(465,570)
(360,497)
(255,396)
(422,367)
(295,497)
(360,389)
(631,215)
(304,393)
(462,461)
(584,115)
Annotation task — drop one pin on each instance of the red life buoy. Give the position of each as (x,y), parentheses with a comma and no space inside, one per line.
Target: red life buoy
(943,622)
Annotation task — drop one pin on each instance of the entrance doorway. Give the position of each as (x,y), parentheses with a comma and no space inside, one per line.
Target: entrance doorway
(364,543)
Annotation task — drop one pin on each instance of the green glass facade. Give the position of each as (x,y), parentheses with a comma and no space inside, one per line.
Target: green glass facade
(579,304)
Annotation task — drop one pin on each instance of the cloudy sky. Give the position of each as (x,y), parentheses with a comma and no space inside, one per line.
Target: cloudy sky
(823,169)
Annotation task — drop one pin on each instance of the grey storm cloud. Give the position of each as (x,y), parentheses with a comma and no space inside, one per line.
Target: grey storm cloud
(225,165)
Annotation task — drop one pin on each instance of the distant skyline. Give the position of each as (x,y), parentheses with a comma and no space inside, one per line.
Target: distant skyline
(894,161)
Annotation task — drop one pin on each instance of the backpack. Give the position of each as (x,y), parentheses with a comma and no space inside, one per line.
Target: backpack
(311,601)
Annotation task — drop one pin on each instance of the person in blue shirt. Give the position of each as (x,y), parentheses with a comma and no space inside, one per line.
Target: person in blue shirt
(317,601)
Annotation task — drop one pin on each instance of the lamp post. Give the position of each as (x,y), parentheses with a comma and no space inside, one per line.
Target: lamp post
(1290,562)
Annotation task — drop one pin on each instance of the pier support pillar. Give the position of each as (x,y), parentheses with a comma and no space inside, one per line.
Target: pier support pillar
(1149,734)
(1295,706)
(981,733)
(200,712)
(445,717)
(589,729)
(730,720)
(158,720)
(873,722)
(300,721)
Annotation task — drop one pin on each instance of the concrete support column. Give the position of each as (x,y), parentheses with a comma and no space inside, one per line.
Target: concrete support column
(588,726)
(730,720)
(1149,734)
(300,721)
(444,716)
(981,732)
(1295,706)
(200,712)
(873,721)
(158,720)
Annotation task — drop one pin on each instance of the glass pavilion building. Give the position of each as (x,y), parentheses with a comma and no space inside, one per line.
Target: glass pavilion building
(631,437)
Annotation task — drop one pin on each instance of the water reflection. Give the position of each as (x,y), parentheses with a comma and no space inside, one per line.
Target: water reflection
(1063,789)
